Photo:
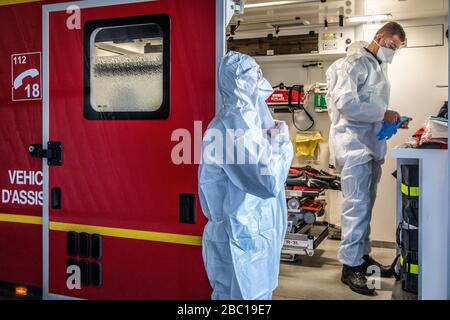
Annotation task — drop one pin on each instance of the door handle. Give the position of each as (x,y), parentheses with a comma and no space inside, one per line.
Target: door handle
(56,199)
(188,208)
(53,153)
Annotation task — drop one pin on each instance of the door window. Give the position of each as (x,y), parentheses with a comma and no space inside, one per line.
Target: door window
(127,68)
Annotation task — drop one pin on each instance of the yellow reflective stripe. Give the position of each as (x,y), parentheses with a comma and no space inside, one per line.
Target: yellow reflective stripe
(410,191)
(106,231)
(129,234)
(413,268)
(8,2)
(15,218)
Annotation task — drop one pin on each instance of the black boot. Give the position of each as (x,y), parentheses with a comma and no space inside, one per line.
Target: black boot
(355,278)
(385,271)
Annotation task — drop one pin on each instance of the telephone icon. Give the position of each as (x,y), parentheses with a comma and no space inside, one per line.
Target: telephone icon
(18,82)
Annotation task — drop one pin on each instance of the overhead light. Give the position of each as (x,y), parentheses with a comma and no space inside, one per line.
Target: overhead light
(274,3)
(372,18)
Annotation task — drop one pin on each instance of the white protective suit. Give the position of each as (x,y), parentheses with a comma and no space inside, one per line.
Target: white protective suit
(244,203)
(358,97)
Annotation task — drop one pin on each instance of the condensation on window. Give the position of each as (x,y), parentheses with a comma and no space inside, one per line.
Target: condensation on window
(127,69)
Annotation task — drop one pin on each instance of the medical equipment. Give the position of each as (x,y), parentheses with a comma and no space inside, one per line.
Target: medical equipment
(308,177)
(284,99)
(304,190)
(408,229)
(320,101)
(304,233)
(290,100)
(408,242)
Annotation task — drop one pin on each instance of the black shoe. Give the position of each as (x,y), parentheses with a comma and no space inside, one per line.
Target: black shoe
(355,278)
(385,271)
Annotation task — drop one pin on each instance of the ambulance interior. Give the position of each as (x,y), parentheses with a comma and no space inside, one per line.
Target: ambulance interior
(295,42)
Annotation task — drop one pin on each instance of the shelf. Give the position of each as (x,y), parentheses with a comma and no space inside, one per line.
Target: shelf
(300,57)
(411,153)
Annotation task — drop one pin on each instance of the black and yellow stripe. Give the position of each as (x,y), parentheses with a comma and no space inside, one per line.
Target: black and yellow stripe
(410,191)
(411,267)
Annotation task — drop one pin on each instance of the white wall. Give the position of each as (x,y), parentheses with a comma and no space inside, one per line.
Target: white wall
(414,75)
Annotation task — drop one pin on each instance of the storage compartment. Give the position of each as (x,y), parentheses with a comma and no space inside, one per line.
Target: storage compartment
(297,44)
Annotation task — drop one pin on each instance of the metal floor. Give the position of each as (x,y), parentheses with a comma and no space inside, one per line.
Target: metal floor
(319,277)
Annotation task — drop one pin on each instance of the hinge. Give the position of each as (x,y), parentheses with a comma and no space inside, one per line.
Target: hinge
(239,7)
(53,153)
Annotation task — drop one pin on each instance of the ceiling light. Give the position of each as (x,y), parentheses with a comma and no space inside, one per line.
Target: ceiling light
(372,18)
(273,3)
(292,23)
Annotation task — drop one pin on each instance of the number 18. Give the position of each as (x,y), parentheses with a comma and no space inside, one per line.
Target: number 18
(33,91)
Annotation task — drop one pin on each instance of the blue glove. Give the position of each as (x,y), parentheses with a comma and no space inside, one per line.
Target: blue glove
(389,130)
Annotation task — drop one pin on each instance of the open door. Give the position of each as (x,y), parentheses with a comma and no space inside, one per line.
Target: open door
(116,88)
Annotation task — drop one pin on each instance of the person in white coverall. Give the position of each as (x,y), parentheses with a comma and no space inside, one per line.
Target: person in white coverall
(244,201)
(358,101)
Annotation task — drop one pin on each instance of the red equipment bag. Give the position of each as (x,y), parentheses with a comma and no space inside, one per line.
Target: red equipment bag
(287,97)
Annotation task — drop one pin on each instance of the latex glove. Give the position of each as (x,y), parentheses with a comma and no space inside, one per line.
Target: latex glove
(389,130)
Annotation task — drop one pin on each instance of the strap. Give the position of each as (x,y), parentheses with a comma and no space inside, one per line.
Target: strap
(410,191)
(412,268)
(393,265)
(398,236)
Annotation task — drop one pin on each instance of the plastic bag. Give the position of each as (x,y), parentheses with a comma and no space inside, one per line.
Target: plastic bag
(307,143)
(436,131)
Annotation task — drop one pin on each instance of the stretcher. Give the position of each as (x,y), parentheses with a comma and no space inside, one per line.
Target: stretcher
(304,232)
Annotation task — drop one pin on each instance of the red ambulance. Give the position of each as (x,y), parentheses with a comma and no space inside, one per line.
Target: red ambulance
(90,95)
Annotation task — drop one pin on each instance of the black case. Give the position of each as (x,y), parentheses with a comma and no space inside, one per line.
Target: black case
(408,242)
(410,207)
(410,281)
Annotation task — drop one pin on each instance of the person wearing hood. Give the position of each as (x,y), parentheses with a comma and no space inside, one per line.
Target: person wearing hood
(358,102)
(244,200)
